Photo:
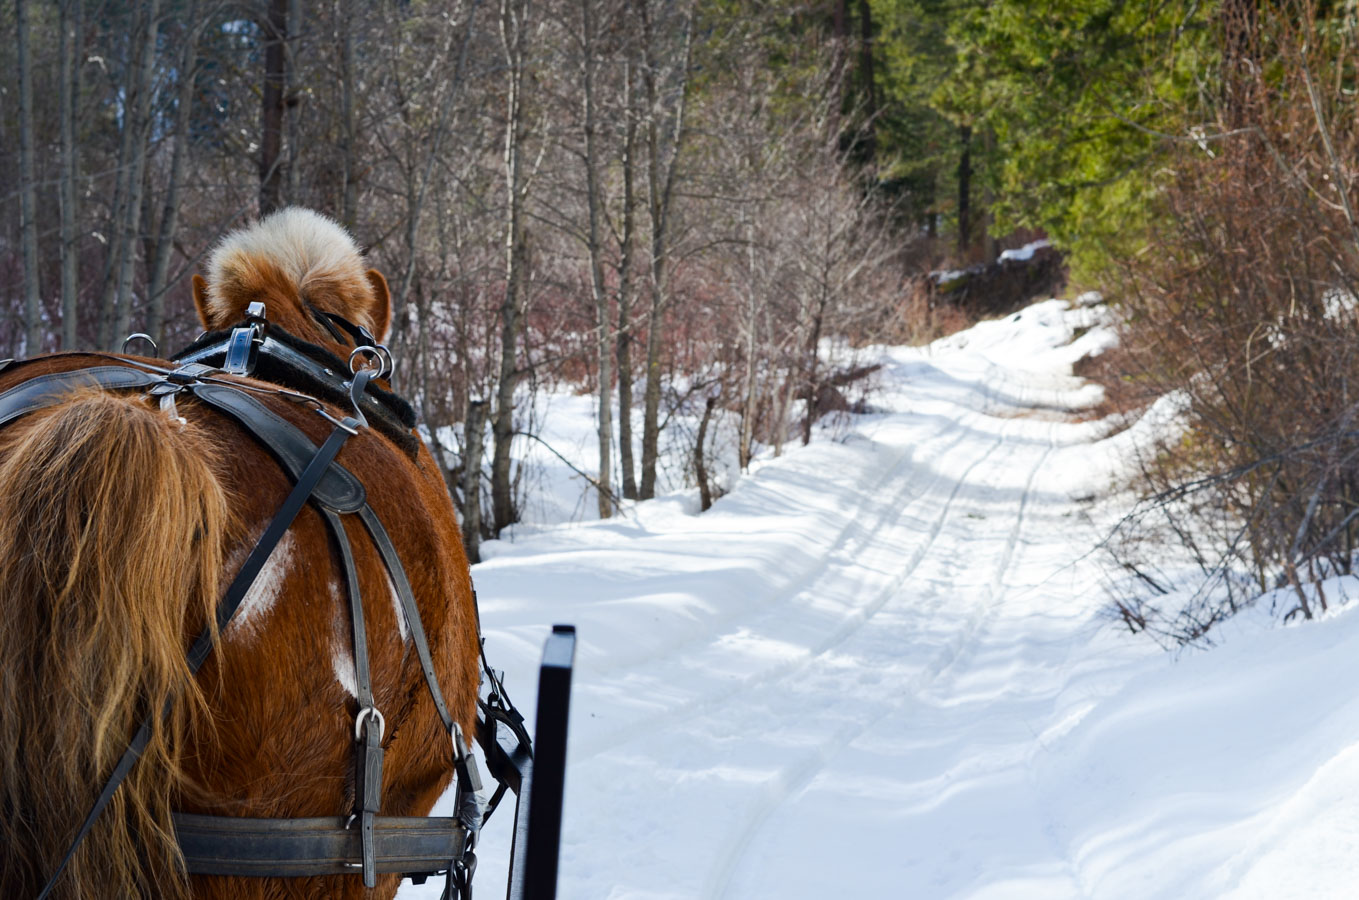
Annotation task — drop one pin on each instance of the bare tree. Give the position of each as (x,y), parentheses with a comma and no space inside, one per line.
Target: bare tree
(28,186)
(627,244)
(665,146)
(594,245)
(68,89)
(139,121)
(275,28)
(514,34)
(169,217)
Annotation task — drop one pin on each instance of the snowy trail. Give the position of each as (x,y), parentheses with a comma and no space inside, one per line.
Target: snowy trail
(877,669)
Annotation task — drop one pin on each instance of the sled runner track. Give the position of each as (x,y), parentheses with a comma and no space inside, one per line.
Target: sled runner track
(789,782)
(852,530)
(897,507)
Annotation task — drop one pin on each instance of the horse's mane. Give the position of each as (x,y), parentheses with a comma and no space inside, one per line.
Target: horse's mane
(309,251)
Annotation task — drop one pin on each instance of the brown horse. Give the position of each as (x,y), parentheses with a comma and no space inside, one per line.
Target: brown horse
(120,527)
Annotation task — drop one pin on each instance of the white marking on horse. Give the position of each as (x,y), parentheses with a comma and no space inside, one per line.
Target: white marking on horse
(341,656)
(263,593)
(401,623)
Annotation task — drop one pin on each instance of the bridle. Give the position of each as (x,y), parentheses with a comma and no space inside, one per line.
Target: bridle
(301,847)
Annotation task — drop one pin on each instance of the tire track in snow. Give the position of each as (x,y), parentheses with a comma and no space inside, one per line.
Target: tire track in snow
(897,506)
(797,583)
(789,782)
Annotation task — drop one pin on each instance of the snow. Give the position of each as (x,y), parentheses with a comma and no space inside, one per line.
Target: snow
(878,667)
(1025,252)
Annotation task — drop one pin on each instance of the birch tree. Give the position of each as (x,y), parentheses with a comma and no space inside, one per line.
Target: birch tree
(515,25)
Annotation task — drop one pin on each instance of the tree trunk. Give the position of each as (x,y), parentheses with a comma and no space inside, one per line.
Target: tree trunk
(28,188)
(72,31)
(169,215)
(705,494)
(474,427)
(988,220)
(136,177)
(660,193)
(869,141)
(813,387)
(121,189)
(752,325)
(625,262)
(965,189)
(512,28)
(651,394)
(349,188)
(604,338)
(292,121)
(275,29)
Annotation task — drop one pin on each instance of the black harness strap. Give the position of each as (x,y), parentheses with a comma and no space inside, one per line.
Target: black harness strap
(48,390)
(293,848)
(368,726)
(469,780)
(338,489)
(469,811)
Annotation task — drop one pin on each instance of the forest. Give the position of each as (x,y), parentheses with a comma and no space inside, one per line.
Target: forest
(698,208)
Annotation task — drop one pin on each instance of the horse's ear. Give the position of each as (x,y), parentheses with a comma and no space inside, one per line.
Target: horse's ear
(382,304)
(200,300)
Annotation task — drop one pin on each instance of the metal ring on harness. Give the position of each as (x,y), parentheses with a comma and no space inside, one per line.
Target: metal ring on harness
(377,352)
(141,336)
(362,716)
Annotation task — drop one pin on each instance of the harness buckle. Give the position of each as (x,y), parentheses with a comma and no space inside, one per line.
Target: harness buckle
(363,717)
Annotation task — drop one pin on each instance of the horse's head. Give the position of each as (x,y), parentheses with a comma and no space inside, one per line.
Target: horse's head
(302,266)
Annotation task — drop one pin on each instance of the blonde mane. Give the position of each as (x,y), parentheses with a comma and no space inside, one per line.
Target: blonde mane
(308,252)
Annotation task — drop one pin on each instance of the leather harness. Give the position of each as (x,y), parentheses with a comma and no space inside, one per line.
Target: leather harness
(229,845)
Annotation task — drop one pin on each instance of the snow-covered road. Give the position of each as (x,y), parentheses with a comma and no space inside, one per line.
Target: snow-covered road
(877,668)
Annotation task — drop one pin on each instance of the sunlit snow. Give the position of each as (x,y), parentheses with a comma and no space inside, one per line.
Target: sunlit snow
(878,668)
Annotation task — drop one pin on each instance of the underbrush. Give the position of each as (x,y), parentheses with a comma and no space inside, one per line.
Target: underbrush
(1242,310)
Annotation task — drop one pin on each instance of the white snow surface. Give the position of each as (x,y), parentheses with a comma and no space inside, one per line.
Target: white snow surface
(878,668)
(1025,252)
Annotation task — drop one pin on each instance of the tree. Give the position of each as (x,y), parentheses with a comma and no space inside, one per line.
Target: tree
(28,179)
(666,84)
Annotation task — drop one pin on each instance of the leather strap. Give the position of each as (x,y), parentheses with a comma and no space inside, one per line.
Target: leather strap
(368,729)
(469,779)
(338,489)
(387,551)
(232,845)
(292,358)
(48,390)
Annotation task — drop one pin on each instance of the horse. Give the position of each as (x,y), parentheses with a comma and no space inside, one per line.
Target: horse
(124,521)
